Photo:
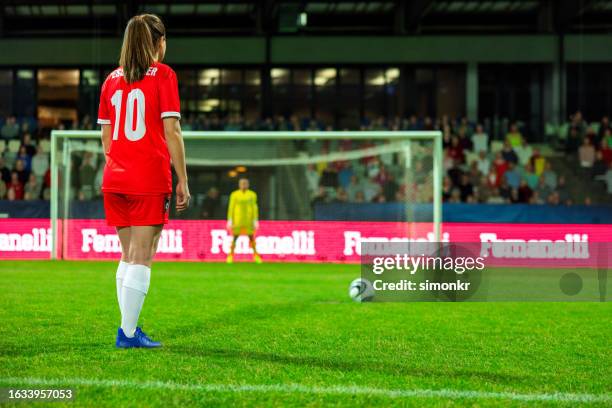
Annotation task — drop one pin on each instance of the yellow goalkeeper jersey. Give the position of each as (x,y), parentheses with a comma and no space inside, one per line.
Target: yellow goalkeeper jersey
(242,210)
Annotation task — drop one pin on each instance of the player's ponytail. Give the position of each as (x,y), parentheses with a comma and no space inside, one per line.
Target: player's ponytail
(140,45)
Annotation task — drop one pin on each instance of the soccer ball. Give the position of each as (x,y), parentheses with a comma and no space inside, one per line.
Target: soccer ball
(361,290)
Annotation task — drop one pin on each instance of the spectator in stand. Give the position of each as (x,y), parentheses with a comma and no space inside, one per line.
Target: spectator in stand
(413,123)
(360,197)
(483,163)
(573,141)
(483,189)
(608,138)
(382,175)
(594,136)
(341,196)
(47,185)
(447,136)
(608,179)
(524,152)
(495,197)
(514,136)
(586,154)
(500,165)
(493,179)
(25,157)
(2,190)
(577,122)
(370,189)
(562,190)
(531,177)
(606,151)
(550,176)
(455,196)
(474,174)
(11,195)
(390,188)
(16,185)
(5,173)
(312,179)
(536,198)
(211,205)
(86,123)
(455,151)
(600,166)
(604,127)
(466,188)
(28,144)
(543,189)
(329,177)
(98,181)
(553,198)
(40,163)
(464,141)
(87,174)
(480,140)
(509,154)
(10,129)
(447,162)
(513,176)
(21,171)
(345,174)
(538,162)
(32,189)
(353,187)
(524,192)
(320,198)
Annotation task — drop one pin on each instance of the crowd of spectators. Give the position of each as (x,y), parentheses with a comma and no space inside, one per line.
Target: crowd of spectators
(591,145)
(24,165)
(476,170)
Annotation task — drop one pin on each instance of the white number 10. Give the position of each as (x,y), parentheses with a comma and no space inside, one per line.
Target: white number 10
(135,95)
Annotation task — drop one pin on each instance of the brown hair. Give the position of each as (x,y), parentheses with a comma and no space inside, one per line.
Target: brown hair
(140,44)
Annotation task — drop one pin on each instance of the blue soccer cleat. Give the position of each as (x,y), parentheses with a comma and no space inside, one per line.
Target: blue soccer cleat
(140,340)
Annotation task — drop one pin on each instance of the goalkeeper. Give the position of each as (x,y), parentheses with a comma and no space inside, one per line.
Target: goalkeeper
(242,217)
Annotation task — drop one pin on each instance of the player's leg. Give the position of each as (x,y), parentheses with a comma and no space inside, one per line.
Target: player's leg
(148,214)
(253,245)
(138,275)
(230,256)
(117,215)
(124,238)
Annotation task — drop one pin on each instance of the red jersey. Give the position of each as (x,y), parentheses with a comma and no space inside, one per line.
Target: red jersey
(138,161)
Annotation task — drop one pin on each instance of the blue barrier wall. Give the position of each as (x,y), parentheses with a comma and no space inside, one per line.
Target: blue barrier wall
(502,213)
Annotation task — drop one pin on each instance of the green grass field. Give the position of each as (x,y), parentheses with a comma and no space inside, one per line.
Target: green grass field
(287,334)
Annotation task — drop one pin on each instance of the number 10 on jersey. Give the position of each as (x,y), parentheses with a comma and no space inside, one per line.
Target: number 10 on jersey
(134,120)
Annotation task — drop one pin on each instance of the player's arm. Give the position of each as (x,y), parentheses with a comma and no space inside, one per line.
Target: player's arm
(255,212)
(176,148)
(104,120)
(230,210)
(106,138)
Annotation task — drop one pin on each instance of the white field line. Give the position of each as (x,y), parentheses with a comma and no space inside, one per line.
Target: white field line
(316,390)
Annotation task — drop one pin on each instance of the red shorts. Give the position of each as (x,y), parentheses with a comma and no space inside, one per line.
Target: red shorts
(126,210)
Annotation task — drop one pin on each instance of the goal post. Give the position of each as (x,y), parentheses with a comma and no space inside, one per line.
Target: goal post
(278,151)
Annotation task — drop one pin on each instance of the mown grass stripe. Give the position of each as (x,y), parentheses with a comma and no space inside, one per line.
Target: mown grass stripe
(317,390)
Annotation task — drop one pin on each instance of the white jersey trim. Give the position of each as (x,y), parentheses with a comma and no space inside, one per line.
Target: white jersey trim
(104,121)
(171,115)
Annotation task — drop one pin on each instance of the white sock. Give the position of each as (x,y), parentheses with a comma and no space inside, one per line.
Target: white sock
(121,269)
(135,287)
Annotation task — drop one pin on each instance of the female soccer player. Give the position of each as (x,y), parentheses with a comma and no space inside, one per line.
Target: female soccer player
(139,113)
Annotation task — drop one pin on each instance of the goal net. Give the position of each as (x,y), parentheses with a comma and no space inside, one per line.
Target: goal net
(389,182)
